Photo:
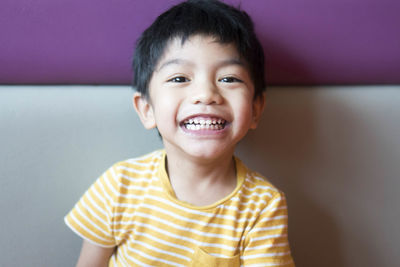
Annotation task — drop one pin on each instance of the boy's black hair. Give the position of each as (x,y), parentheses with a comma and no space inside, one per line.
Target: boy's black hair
(209,17)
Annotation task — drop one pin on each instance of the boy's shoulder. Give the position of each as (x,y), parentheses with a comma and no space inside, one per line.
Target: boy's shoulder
(147,161)
(256,182)
(145,166)
(131,178)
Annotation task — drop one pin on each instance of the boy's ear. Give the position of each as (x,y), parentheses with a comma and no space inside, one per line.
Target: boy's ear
(144,110)
(258,108)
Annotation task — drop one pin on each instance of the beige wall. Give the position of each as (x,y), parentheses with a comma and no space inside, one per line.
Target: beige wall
(335,151)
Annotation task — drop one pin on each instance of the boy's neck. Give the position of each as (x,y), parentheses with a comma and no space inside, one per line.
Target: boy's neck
(201,182)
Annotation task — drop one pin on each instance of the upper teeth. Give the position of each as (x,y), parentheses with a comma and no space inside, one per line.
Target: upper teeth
(204,121)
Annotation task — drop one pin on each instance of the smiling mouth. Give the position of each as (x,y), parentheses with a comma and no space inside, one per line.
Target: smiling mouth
(196,124)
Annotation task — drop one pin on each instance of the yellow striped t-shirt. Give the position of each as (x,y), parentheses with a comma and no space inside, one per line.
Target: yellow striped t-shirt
(132,206)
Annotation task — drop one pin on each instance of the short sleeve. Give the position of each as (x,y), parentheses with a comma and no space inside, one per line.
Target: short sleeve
(267,244)
(92,217)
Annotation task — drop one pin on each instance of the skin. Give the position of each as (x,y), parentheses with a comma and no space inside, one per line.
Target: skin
(203,80)
(94,256)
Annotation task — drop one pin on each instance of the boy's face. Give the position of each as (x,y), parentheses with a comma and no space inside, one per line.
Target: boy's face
(200,99)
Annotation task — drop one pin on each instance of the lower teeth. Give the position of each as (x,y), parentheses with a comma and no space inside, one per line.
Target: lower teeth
(204,126)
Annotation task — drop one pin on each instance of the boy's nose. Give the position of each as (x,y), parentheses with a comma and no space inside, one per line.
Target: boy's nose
(207,93)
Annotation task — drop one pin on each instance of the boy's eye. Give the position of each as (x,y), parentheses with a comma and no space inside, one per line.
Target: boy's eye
(179,79)
(230,80)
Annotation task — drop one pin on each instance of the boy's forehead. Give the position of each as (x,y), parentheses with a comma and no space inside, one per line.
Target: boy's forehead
(174,51)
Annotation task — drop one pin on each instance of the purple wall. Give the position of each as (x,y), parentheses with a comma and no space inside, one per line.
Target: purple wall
(306,41)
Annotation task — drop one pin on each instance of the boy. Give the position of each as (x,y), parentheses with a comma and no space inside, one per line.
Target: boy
(199,78)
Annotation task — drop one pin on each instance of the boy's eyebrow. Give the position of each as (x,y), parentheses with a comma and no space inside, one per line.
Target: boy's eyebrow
(223,63)
(231,61)
(177,61)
